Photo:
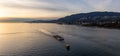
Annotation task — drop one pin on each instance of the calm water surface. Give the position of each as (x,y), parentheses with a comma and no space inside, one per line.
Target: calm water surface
(25,39)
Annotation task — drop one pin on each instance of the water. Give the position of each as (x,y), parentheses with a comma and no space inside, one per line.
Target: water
(25,39)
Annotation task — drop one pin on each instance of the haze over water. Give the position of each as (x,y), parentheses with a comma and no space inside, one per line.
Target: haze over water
(24,39)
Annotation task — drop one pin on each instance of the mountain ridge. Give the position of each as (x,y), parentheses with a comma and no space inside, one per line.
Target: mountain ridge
(89,16)
(102,19)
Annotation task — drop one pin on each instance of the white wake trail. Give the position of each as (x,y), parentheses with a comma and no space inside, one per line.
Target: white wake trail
(45,31)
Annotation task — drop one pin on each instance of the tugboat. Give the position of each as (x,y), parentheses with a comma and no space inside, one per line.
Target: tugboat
(58,37)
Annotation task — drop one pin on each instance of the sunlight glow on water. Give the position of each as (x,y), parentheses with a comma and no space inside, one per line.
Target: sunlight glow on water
(26,39)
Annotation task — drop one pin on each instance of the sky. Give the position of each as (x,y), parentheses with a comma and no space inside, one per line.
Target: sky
(52,9)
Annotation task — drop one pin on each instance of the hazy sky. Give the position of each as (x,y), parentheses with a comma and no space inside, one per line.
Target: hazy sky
(54,8)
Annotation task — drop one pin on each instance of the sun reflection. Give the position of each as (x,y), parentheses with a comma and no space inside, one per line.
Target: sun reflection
(9,28)
(1,27)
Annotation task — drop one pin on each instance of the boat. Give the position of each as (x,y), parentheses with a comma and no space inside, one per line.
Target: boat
(67,47)
(58,37)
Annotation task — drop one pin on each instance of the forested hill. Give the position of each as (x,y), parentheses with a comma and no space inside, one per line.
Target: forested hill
(107,19)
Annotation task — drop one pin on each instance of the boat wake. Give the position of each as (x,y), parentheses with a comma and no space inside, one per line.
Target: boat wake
(45,31)
(56,36)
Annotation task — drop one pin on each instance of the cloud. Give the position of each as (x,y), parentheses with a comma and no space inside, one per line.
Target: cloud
(33,4)
(99,4)
(36,7)
(55,8)
(114,6)
(71,6)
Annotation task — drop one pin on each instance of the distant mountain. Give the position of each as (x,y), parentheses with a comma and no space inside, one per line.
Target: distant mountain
(17,20)
(42,21)
(93,18)
(27,20)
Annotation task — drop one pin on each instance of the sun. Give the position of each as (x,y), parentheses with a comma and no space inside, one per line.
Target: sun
(2,14)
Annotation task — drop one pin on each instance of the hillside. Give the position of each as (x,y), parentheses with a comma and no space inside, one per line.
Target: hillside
(106,19)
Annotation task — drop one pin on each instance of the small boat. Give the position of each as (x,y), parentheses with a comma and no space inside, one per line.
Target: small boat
(58,37)
(67,47)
